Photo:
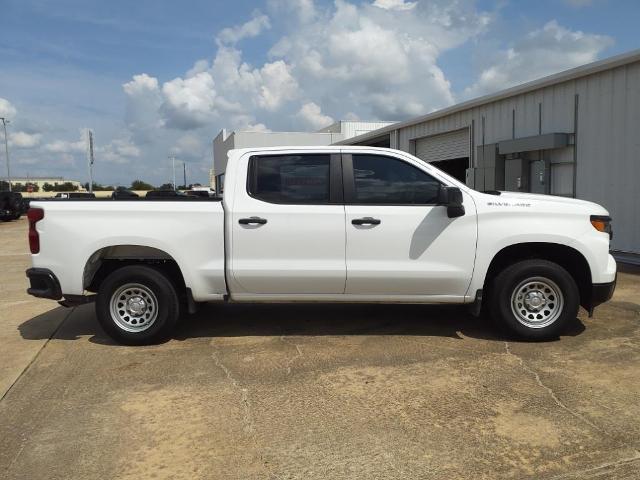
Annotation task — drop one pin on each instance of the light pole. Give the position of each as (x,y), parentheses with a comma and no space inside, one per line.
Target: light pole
(6,149)
(184,173)
(90,158)
(173,165)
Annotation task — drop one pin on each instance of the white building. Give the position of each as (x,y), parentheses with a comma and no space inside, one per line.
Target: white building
(336,132)
(40,181)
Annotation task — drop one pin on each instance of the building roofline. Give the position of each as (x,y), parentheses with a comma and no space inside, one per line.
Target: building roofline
(564,76)
(286,133)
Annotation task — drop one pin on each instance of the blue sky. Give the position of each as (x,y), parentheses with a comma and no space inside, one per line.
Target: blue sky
(158,78)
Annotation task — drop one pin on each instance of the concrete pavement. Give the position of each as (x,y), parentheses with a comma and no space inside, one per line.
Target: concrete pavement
(314,391)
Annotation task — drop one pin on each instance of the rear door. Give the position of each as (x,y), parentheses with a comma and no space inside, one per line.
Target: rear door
(399,241)
(288,225)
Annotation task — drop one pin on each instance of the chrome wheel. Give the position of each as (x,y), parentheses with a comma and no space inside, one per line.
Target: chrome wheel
(134,307)
(537,302)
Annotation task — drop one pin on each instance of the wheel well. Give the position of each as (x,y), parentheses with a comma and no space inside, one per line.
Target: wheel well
(568,258)
(108,259)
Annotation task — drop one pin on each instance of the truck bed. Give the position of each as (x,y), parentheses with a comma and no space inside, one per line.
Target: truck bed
(75,234)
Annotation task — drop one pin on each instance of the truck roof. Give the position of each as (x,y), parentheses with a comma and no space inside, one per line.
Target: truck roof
(324,148)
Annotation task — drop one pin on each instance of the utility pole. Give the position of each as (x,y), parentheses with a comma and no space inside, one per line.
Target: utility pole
(90,158)
(173,165)
(6,149)
(184,173)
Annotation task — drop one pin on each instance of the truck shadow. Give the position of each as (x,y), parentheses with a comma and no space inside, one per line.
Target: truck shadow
(235,320)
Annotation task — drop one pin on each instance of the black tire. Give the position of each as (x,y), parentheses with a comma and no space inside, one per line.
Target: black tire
(534,281)
(156,289)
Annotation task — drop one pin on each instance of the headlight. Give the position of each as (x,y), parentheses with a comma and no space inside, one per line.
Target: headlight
(602,223)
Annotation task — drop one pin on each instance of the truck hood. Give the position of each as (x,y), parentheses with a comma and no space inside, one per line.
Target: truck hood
(591,207)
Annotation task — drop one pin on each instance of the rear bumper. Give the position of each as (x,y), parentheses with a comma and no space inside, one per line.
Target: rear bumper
(44,284)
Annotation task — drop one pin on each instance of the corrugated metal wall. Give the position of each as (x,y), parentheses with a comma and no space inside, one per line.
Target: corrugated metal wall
(608,167)
(608,139)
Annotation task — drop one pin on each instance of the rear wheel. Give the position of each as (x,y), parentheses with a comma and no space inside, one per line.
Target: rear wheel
(137,305)
(535,299)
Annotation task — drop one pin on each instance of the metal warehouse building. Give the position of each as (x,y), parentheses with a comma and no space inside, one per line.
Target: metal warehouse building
(575,133)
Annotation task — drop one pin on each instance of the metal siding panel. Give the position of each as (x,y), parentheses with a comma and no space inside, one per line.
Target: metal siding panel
(608,149)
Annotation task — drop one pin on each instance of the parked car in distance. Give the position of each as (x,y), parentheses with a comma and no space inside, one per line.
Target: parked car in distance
(164,194)
(326,224)
(12,206)
(201,192)
(123,193)
(75,195)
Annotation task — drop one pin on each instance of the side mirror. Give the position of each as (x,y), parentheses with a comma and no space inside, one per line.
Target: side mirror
(451,197)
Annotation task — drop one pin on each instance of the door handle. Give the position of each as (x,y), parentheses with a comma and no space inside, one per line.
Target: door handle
(252,220)
(365,221)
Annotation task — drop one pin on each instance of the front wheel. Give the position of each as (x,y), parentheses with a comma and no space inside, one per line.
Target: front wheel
(137,305)
(535,299)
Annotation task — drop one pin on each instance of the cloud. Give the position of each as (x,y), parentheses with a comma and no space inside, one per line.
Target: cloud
(539,53)
(188,145)
(394,4)
(24,139)
(312,116)
(277,85)
(144,100)
(250,29)
(189,102)
(370,61)
(7,110)
(304,11)
(64,146)
(119,150)
(379,63)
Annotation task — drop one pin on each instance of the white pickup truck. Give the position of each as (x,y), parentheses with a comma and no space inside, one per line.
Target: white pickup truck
(324,224)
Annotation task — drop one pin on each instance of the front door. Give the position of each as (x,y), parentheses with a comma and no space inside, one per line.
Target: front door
(399,241)
(287,226)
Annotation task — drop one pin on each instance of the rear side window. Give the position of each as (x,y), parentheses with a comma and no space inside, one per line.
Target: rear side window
(389,181)
(300,179)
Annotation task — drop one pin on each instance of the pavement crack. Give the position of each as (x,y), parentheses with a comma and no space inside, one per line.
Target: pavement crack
(33,360)
(35,357)
(247,417)
(297,356)
(582,473)
(551,393)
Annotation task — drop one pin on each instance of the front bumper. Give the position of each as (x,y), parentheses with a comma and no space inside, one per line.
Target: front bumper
(602,292)
(44,284)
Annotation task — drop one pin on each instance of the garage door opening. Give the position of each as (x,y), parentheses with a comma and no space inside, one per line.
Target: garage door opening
(456,167)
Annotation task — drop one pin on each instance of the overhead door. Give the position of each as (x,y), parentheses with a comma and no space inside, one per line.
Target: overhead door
(445,146)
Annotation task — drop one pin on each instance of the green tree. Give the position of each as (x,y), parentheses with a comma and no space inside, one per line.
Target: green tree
(165,186)
(4,185)
(98,187)
(140,185)
(65,187)
(47,187)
